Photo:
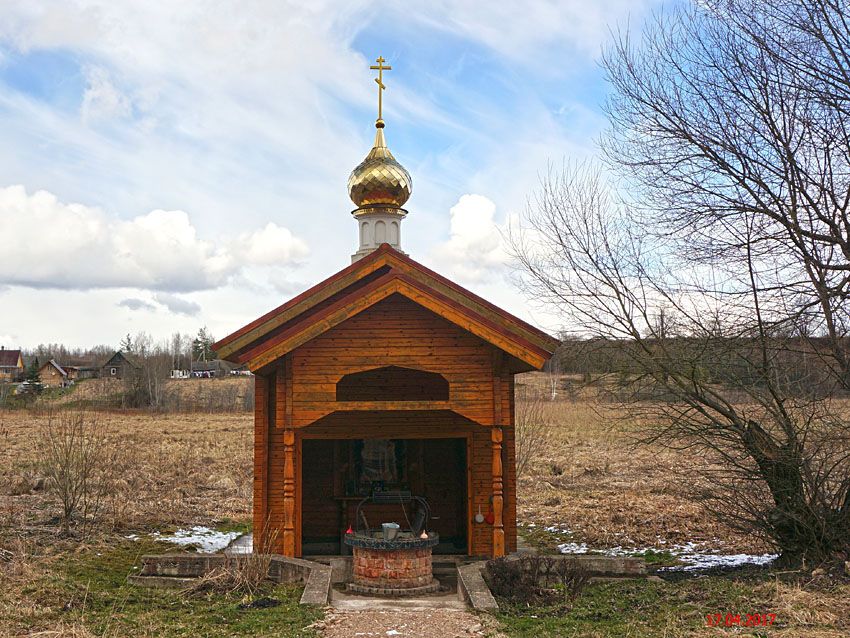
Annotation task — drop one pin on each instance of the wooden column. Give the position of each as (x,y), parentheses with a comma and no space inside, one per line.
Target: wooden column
(496,436)
(289,492)
(261,455)
(498,496)
(284,410)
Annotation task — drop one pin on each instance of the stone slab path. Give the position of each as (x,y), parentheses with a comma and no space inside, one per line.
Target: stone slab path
(404,623)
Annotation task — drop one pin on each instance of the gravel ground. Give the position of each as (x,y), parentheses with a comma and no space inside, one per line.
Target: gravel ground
(403,623)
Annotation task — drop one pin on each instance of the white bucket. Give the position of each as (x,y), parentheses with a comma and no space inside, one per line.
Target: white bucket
(390,530)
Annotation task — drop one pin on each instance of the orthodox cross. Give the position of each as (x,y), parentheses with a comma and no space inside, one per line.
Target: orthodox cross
(380,80)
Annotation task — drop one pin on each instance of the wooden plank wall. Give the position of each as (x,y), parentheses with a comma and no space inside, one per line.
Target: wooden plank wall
(396,332)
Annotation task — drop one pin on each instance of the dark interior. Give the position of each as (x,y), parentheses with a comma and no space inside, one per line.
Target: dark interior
(339,474)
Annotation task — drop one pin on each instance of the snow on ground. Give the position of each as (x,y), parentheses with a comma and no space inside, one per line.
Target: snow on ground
(205,539)
(696,561)
(693,556)
(573,548)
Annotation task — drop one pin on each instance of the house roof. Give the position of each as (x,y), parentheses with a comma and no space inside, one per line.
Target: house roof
(9,358)
(53,363)
(364,283)
(119,355)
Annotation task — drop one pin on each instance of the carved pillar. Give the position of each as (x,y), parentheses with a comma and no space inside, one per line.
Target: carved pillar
(496,436)
(289,492)
(283,424)
(498,494)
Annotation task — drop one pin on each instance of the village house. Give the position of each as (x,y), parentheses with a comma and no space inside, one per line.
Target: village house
(52,375)
(11,365)
(120,365)
(80,372)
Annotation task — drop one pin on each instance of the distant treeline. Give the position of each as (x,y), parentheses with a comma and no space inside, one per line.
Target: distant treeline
(807,365)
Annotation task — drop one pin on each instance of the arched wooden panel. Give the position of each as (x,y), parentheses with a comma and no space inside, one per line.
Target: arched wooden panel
(393,383)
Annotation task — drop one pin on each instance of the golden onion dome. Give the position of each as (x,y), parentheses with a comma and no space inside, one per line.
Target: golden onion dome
(379,180)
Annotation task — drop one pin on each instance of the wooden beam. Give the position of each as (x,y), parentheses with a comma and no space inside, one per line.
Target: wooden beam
(469,299)
(281,399)
(497,387)
(299,508)
(369,406)
(261,455)
(383,257)
(287,369)
(322,322)
(258,328)
(380,289)
(283,427)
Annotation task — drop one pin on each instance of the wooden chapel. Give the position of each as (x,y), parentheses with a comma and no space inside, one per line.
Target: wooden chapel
(385,376)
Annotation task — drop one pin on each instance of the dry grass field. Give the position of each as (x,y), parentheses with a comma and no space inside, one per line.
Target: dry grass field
(171,470)
(226,394)
(593,478)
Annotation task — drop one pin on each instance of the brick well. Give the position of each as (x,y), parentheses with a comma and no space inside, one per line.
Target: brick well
(393,569)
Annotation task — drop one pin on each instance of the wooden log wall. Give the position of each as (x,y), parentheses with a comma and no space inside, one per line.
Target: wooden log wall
(296,397)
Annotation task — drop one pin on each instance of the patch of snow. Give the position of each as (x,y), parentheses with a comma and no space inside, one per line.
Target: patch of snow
(573,548)
(132,537)
(695,561)
(557,529)
(694,556)
(205,539)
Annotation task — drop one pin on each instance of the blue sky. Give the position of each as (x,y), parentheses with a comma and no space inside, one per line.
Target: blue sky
(169,165)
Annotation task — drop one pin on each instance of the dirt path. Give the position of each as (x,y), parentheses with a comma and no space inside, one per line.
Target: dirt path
(404,623)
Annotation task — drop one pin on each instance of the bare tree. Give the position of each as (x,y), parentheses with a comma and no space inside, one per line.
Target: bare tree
(731,122)
(725,207)
(531,429)
(725,384)
(75,460)
(731,127)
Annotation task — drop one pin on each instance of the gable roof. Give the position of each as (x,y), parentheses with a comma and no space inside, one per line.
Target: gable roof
(118,356)
(53,363)
(362,284)
(10,358)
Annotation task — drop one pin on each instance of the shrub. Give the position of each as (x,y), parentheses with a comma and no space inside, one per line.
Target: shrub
(536,580)
(75,463)
(241,573)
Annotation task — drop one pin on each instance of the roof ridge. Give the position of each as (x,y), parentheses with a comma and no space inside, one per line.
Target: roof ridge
(237,343)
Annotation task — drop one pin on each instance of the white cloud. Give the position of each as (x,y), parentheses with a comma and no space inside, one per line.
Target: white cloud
(101,99)
(268,246)
(72,246)
(474,250)
(178,305)
(245,113)
(522,29)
